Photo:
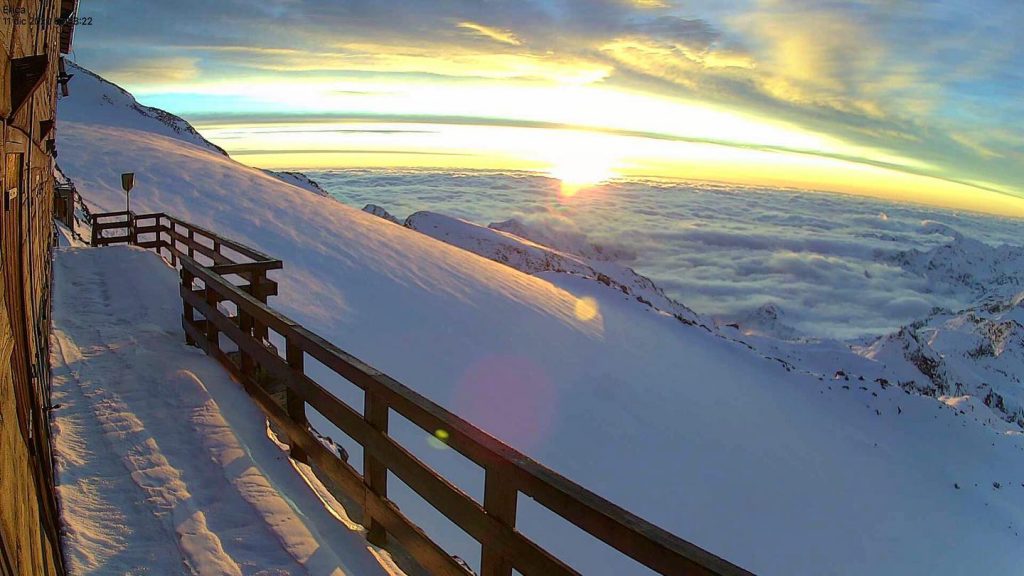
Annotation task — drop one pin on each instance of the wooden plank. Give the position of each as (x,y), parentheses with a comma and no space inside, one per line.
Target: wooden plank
(187,279)
(500,500)
(110,225)
(246,365)
(375,474)
(247,267)
(212,334)
(108,240)
(236,246)
(258,310)
(194,246)
(295,405)
(154,229)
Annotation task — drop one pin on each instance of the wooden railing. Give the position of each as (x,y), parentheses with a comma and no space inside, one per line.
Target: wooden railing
(492,523)
(119,222)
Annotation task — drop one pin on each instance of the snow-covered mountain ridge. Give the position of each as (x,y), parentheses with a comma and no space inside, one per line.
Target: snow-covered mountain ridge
(532,258)
(115,106)
(974,354)
(966,265)
(772,469)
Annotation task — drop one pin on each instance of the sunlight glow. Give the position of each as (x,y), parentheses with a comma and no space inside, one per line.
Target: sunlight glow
(581,159)
(587,309)
(580,173)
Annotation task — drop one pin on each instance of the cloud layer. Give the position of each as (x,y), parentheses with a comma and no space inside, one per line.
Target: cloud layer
(720,250)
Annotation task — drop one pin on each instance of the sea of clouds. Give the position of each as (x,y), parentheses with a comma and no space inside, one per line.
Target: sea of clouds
(720,249)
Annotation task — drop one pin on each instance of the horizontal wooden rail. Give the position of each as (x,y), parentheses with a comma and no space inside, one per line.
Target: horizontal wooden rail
(204,288)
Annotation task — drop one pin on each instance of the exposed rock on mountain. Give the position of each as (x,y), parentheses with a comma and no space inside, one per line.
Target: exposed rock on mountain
(978,352)
(381,213)
(299,179)
(569,241)
(767,320)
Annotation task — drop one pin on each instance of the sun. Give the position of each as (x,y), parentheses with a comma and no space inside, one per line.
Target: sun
(580,173)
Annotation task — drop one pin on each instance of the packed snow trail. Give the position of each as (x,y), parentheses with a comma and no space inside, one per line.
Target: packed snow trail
(165,466)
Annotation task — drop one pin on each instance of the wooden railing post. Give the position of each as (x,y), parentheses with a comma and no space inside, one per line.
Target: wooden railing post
(187,317)
(172,243)
(500,499)
(375,474)
(245,363)
(294,403)
(212,333)
(255,287)
(191,237)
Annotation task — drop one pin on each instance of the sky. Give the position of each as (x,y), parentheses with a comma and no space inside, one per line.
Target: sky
(905,100)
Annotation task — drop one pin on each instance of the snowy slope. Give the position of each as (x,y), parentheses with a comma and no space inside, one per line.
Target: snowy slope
(99,100)
(532,258)
(164,465)
(769,468)
(973,356)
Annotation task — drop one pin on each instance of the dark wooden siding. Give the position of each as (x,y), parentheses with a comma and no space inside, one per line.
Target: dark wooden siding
(29,531)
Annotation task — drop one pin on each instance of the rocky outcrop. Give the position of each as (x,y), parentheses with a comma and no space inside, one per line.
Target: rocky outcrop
(568,241)
(381,213)
(301,180)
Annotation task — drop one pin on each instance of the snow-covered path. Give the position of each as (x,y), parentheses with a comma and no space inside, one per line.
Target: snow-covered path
(164,464)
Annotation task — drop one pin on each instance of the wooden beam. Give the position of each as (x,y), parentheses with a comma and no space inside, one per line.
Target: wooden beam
(375,474)
(294,403)
(500,499)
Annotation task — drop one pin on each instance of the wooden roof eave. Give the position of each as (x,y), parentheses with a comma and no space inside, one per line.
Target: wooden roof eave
(68,9)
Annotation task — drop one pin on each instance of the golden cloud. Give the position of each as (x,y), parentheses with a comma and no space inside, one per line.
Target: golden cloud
(445,60)
(496,34)
(156,71)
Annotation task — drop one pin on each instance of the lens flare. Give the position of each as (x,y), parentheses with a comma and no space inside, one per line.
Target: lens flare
(439,439)
(510,397)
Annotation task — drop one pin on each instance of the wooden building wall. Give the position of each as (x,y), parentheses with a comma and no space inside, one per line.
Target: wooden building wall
(31,35)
